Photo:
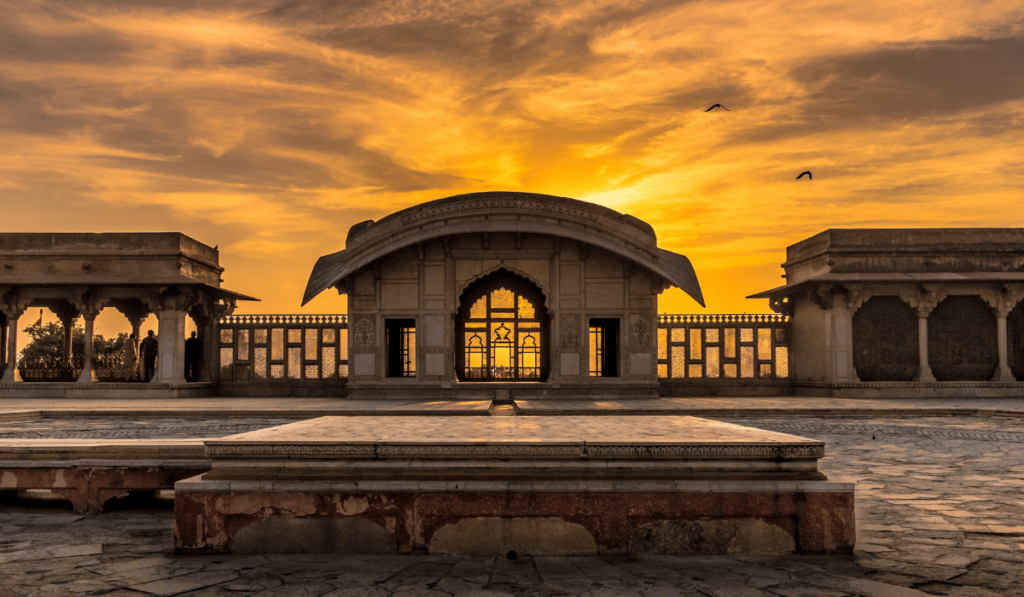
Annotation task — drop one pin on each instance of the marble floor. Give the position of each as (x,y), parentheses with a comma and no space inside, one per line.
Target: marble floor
(940,511)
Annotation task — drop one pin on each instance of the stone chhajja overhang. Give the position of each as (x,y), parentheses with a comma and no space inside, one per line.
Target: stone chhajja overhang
(859,287)
(504,212)
(78,275)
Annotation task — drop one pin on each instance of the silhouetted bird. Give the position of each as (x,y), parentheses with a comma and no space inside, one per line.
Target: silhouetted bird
(718,106)
(808,173)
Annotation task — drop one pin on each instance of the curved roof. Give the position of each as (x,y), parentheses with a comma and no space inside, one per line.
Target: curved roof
(617,233)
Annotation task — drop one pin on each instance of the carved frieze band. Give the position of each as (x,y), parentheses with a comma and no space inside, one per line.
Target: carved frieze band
(485,451)
(291,450)
(498,203)
(569,326)
(578,451)
(704,452)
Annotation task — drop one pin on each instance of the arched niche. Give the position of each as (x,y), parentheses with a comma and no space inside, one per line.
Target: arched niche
(885,340)
(502,330)
(962,339)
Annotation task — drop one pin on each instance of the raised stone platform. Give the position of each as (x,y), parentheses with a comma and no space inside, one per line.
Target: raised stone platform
(89,472)
(536,485)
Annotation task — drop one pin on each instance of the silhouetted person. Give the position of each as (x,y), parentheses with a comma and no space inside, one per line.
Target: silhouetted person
(130,360)
(193,358)
(718,106)
(806,173)
(149,348)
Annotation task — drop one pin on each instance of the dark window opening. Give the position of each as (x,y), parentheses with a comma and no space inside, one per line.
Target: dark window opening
(604,348)
(401,347)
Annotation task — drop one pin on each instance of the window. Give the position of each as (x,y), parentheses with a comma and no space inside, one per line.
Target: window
(401,347)
(604,348)
(502,327)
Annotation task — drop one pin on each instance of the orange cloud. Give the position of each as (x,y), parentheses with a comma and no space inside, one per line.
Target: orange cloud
(270,127)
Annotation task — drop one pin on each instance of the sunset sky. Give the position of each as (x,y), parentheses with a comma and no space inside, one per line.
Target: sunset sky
(268,128)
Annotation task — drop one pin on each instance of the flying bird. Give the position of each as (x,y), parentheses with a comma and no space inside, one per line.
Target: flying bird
(718,106)
(808,173)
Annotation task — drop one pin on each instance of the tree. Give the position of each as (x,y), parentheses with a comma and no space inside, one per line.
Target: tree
(45,349)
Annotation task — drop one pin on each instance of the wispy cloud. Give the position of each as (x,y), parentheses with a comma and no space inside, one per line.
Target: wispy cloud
(270,127)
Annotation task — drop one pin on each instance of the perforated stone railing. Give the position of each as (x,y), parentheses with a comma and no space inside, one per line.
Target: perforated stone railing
(283,347)
(108,367)
(723,347)
(690,347)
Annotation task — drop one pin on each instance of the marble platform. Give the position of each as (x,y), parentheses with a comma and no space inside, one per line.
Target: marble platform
(538,485)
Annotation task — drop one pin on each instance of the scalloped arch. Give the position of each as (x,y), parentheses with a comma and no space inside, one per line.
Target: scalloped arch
(512,270)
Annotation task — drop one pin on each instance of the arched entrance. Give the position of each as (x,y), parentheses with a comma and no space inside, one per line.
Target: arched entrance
(502,327)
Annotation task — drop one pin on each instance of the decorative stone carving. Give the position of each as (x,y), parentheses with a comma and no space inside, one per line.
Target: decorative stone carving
(927,299)
(640,333)
(962,340)
(885,340)
(569,325)
(363,331)
(522,451)
(498,203)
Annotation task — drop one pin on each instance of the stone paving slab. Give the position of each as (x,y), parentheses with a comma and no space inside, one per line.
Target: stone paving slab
(936,515)
(537,431)
(18,409)
(12,409)
(126,427)
(772,405)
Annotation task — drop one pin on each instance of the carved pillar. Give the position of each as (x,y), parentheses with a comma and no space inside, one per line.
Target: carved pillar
(11,373)
(1005,302)
(170,360)
(838,331)
(855,297)
(208,330)
(1003,373)
(67,314)
(207,317)
(88,374)
(69,329)
(927,300)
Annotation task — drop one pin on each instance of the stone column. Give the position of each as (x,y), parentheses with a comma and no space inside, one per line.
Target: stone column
(69,327)
(88,374)
(207,333)
(170,360)
(11,374)
(67,314)
(1003,373)
(925,372)
(927,299)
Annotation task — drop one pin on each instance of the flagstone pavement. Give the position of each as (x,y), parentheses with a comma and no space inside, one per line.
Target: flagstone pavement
(940,511)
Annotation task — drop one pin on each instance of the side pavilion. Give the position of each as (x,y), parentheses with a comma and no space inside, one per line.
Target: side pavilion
(78,275)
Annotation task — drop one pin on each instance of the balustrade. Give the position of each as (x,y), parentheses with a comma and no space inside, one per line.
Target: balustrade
(283,347)
(723,347)
(270,348)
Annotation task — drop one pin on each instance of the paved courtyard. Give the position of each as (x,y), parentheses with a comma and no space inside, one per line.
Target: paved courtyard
(940,510)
